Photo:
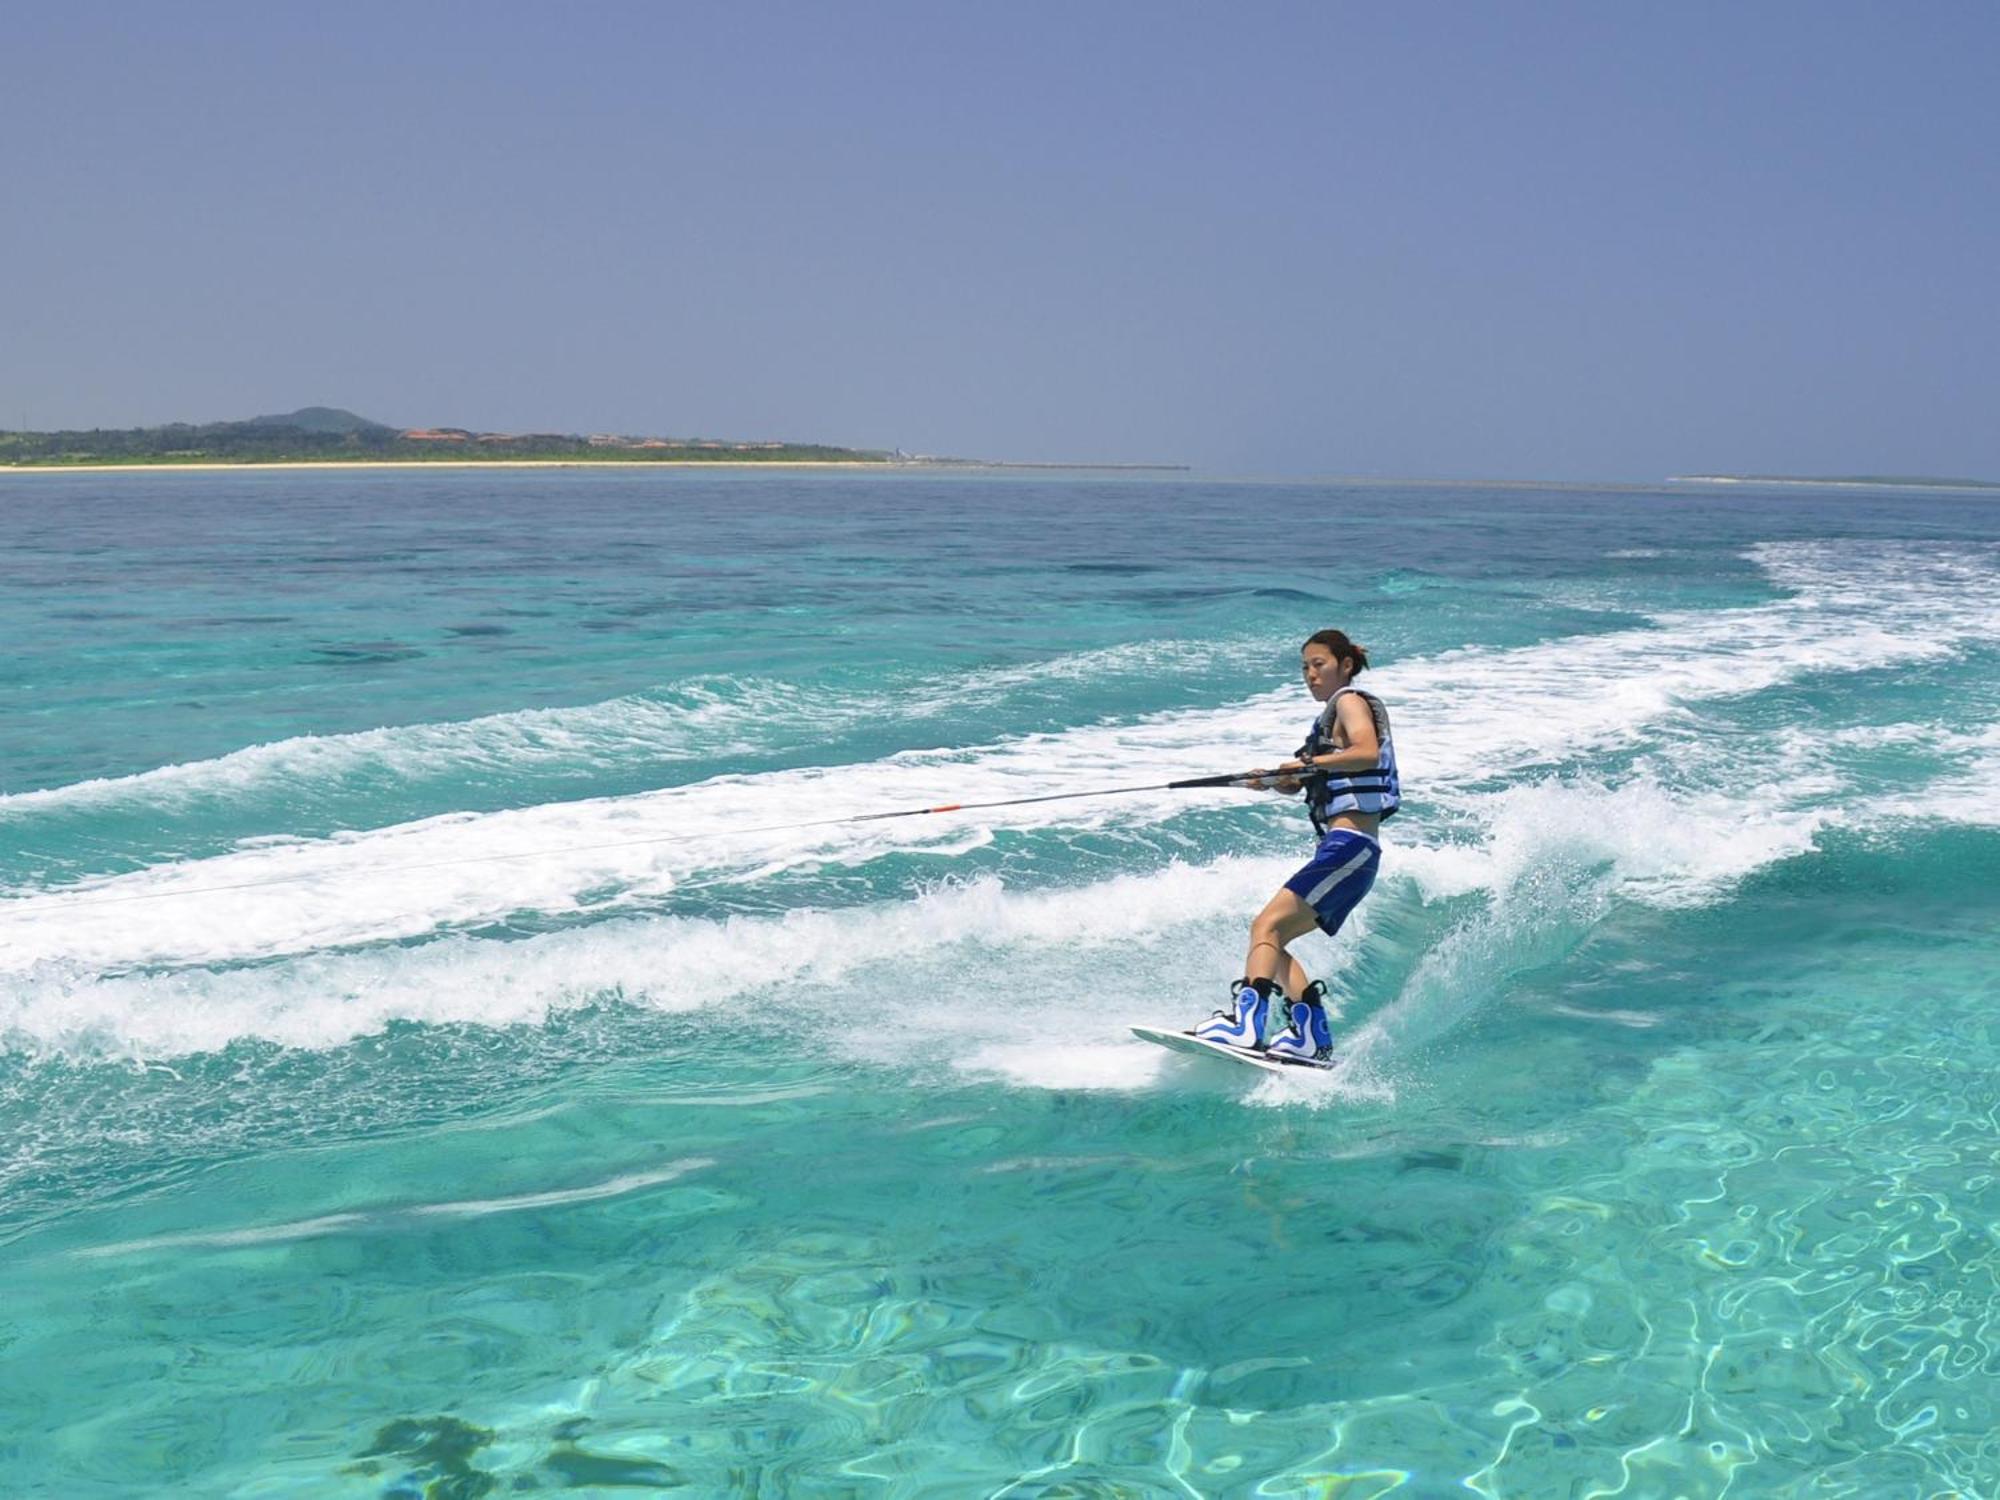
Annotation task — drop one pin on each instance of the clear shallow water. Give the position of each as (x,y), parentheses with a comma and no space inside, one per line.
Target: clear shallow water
(1665,1163)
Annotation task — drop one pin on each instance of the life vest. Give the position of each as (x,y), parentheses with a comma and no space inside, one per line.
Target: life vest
(1374,790)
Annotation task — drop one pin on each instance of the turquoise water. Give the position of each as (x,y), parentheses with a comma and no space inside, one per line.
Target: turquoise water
(431,1066)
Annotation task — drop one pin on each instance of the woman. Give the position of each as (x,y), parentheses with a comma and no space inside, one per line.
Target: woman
(1347,769)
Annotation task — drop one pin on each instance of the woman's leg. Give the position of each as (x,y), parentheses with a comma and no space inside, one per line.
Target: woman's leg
(1292,977)
(1284,917)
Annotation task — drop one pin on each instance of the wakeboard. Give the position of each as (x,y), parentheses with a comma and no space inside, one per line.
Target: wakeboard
(1183,1041)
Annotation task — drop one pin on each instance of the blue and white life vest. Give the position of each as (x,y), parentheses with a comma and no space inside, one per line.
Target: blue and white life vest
(1375,790)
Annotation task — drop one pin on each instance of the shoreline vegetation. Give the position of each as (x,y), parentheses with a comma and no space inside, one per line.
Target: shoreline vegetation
(322,437)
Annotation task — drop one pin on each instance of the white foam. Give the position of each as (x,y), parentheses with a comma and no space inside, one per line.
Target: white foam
(915,983)
(701,719)
(1105,1063)
(1635,1020)
(1969,792)
(1492,713)
(1490,740)
(613,1187)
(1465,719)
(826,962)
(1664,847)
(388,1219)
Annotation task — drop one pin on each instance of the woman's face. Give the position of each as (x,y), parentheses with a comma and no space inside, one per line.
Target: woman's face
(1324,675)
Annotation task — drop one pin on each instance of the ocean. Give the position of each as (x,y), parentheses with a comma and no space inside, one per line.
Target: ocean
(438,1059)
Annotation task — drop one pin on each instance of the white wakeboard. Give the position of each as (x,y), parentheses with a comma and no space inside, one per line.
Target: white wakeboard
(1182,1041)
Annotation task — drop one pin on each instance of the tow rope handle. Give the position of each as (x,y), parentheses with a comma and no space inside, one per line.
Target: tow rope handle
(1233,778)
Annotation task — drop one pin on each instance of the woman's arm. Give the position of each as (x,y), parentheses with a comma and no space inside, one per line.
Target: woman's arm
(1362,750)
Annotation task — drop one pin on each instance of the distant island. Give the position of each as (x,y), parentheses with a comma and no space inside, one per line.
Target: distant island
(329,435)
(326,434)
(1873,481)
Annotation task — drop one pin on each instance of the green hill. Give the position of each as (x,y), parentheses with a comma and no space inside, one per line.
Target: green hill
(320,419)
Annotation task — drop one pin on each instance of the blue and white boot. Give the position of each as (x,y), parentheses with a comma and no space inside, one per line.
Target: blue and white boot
(1242,1025)
(1307,1038)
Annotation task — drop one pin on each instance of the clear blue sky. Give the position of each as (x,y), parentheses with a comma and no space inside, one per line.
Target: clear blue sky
(1498,239)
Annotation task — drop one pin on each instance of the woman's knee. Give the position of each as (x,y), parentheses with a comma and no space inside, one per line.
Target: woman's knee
(1284,919)
(1264,933)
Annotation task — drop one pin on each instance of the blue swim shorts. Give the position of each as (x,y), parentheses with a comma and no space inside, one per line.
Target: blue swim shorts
(1339,875)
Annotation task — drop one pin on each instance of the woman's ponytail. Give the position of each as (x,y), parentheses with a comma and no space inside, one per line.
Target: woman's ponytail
(1342,648)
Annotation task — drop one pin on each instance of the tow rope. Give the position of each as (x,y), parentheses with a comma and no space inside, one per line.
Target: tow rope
(1232,778)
